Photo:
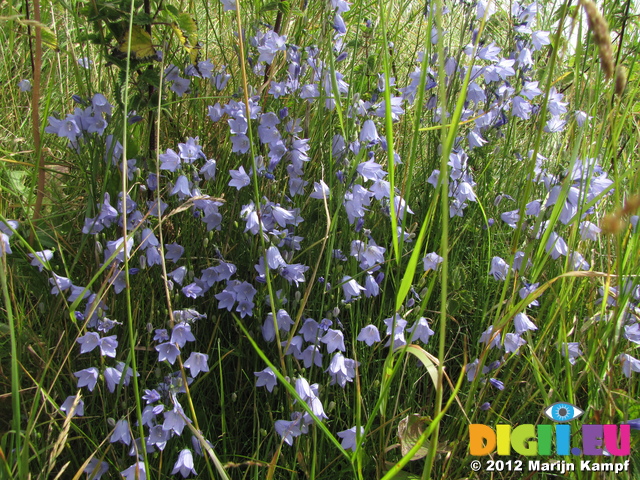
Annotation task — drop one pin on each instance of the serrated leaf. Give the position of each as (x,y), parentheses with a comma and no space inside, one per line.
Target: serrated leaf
(186,30)
(141,46)
(171,9)
(49,38)
(142,19)
(150,77)
(121,85)
(188,25)
(410,429)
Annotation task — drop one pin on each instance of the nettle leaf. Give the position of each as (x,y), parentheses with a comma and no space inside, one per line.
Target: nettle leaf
(150,77)
(121,86)
(172,10)
(188,26)
(142,18)
(141,46)
(186,30)
(410,429)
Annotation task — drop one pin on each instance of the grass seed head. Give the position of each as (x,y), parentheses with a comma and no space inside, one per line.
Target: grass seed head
(600,30)
(621,80)
(612,224)
(631,205)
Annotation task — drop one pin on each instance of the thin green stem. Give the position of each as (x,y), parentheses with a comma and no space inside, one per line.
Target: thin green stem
(15,374)
(389,134)
(126,253)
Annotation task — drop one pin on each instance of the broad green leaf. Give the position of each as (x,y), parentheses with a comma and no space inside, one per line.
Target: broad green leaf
(150,77)
(187,25)
(171,9)
(141,46)
(186,30)
(142,19)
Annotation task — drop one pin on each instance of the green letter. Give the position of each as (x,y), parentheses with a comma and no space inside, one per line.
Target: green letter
(523,439)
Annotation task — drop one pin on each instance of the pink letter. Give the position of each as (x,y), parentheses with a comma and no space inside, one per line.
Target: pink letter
(611,439)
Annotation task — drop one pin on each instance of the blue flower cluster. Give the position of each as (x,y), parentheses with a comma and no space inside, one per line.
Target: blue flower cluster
(503,90)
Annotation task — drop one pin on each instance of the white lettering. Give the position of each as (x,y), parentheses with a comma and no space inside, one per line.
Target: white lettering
(559,467)
(589,466)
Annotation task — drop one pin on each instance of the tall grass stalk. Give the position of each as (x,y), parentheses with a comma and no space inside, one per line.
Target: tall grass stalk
(125,249)
(391,162)
(256,185)
(16,451)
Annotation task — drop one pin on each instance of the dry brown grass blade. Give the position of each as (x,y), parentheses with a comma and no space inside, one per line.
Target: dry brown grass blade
(36,65)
